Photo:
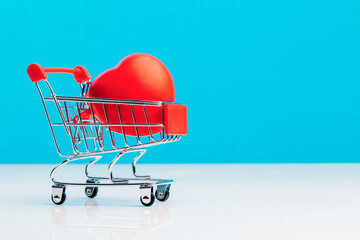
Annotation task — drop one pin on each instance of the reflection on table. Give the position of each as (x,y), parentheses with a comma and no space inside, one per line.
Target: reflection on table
(144,218)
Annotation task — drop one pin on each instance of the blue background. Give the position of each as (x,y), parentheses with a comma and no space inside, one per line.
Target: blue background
(264,81)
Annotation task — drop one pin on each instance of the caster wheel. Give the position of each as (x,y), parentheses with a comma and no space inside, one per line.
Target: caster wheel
(57,199)
(146,201)
(162,196)
(91,192)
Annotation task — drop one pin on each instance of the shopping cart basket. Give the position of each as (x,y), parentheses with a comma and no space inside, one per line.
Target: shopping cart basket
(90,139)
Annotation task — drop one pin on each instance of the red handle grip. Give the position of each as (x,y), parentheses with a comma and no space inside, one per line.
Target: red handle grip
(37,73)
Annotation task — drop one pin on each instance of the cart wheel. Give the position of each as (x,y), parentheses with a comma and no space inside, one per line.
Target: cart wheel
(162,195)
(145,200)
(162,192)
(57,199)
(91,192)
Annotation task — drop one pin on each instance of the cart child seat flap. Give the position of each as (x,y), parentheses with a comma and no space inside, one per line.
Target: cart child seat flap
(175,119)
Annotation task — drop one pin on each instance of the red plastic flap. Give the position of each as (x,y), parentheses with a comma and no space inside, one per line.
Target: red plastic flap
(175,119)
(81,74)
(36,72)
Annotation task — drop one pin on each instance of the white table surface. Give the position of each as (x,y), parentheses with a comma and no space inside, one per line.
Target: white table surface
(219,201)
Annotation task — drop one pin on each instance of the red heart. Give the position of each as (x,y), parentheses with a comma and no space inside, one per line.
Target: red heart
(138,76)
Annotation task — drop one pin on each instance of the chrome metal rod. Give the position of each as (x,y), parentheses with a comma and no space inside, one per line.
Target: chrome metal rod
(111,165)
(66,162)
(159,142)
(138,182)
(82,128)
(142,152)
(89,164)
(111,124)
(147,122)
(136,128)
(122,128)
(105,100)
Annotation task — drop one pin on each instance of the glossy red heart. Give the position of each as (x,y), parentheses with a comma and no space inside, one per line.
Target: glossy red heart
(138,76)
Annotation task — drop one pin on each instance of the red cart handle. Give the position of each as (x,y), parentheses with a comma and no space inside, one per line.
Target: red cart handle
(37,73)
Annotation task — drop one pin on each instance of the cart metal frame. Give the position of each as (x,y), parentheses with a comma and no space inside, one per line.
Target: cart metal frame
(90,139)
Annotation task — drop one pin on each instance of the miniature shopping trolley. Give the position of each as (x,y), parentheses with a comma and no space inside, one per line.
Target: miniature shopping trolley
(90,139)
